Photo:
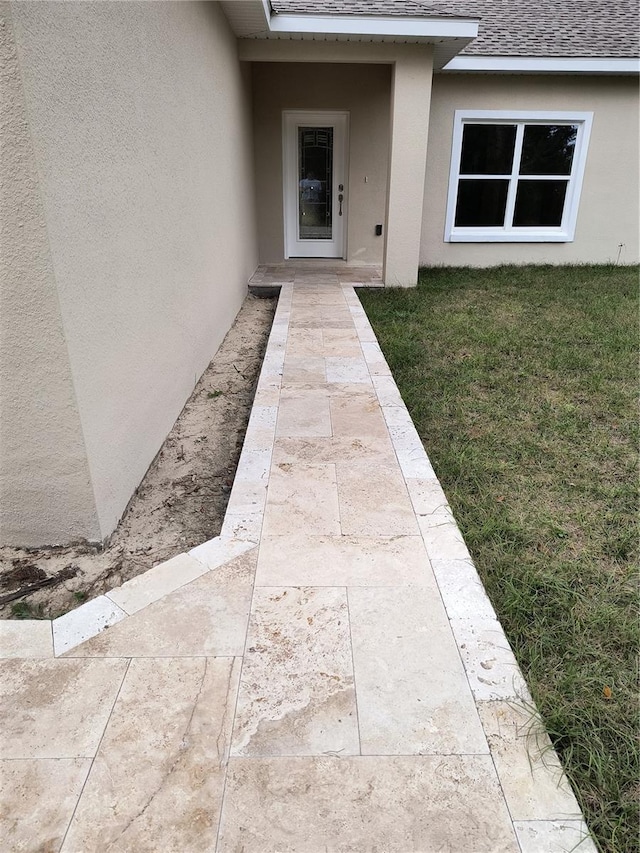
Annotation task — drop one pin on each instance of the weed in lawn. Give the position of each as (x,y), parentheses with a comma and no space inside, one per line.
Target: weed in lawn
(522,383)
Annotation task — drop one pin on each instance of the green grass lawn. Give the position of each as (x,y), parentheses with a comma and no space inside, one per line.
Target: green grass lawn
(522,382)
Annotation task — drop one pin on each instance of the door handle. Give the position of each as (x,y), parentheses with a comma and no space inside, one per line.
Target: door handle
(340,199)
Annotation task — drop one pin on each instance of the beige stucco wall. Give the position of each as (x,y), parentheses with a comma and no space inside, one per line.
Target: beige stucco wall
(608,212)
(410,105)
(363,90)
(44,475)
(139,116)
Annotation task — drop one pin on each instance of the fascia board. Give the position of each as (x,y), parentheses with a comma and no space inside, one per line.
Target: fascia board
(417,28)
(541,65)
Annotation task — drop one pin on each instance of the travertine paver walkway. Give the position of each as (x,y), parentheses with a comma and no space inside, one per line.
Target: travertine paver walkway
(327,675)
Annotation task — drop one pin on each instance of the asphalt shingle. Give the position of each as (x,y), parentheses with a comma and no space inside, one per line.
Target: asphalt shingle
(554,28)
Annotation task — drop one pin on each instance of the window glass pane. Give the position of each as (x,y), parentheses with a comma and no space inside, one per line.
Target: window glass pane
(315,174)
(481,202)
(487,149)
(539,203)
(548,149)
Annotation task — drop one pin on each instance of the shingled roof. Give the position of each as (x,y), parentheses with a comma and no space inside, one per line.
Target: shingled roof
(536,28)
(383,8)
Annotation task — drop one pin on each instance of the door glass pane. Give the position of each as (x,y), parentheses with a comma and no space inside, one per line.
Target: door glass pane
(315,175)
(539,203)
(487,149)
(481,202)
(548,149)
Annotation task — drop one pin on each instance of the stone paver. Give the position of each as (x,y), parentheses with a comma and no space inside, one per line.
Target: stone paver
(297,694)
(26,638)
(38,798)
(393,804)
(157,779)
(205,618)
(326,675)
(413,696)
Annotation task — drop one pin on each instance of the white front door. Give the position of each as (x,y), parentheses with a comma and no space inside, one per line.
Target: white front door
(315,184)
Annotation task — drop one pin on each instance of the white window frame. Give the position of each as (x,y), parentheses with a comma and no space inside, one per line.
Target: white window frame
(508,233)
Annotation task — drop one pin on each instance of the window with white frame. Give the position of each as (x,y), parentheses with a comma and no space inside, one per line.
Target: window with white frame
(516,176)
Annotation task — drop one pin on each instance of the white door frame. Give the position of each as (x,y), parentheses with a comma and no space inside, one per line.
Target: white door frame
(293,246)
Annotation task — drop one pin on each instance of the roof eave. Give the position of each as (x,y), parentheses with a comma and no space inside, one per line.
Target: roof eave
(448,35)
(429,30)
(541,65)
(254,19)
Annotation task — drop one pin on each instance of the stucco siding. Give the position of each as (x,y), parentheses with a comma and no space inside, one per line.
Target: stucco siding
(363,91)
(410,104)
(608,211)
(45,488)
(141,124)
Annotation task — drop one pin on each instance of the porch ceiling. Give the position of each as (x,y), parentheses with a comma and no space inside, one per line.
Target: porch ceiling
(255,19)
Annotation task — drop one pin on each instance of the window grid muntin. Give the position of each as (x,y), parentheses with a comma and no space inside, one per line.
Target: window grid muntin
(515,176)
(513,184)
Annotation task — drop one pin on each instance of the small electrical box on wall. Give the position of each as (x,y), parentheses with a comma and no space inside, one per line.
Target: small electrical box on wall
(378,230)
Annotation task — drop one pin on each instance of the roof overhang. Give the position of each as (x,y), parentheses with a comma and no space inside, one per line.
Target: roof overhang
(400,29)
(254,19)
(541,65)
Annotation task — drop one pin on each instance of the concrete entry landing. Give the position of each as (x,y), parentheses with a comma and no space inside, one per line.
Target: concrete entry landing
(327,675)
